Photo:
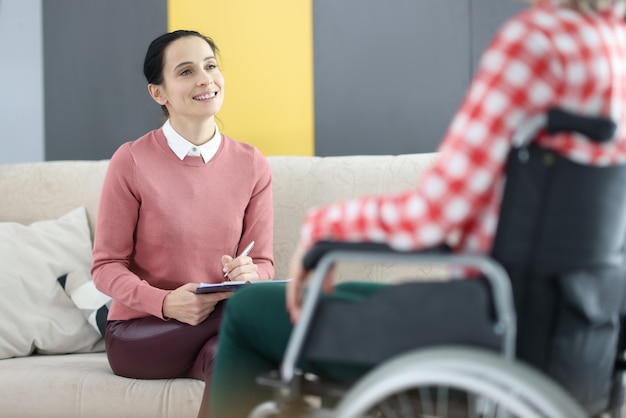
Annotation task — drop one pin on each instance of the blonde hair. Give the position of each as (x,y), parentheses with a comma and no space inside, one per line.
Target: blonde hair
(590,5)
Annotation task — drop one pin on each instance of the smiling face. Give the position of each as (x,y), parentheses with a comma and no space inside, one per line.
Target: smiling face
(193,86)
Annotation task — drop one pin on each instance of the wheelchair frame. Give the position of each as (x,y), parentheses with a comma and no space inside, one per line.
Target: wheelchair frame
(428,365)
(508,380)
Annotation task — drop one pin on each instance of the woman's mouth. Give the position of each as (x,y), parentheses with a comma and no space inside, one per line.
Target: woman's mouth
(206,96)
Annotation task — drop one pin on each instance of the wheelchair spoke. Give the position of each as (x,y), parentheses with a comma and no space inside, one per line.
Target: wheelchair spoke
(438,402)
(484,408)
(405,406)
(425,401)
(386,410)
(420,403)
(471,406)
(442,401)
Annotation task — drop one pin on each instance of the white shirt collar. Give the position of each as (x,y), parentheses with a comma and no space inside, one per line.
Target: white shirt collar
(181,147)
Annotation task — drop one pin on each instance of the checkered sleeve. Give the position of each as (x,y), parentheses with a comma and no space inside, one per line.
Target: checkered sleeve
(517,77)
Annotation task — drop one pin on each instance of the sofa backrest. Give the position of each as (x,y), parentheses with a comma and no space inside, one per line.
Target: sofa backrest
(303,182)
(46,190)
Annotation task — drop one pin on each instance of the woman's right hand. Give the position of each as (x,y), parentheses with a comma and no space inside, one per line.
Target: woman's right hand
(184,305)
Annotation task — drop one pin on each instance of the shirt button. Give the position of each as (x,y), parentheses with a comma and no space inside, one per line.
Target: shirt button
(194,149)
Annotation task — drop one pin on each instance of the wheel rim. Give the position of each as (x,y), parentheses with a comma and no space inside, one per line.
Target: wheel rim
(484,375)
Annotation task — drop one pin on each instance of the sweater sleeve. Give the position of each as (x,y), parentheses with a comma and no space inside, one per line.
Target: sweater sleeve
(258,223)
(118,212)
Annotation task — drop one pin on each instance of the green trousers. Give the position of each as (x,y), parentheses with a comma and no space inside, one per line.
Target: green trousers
(252,340)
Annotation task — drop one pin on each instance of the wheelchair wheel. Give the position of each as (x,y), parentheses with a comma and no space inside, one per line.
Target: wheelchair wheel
(456,382)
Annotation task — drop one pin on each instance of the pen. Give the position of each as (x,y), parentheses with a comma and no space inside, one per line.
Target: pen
(245,251)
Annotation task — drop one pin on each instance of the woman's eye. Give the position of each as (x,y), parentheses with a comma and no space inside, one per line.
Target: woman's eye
(211,66)
(185,72)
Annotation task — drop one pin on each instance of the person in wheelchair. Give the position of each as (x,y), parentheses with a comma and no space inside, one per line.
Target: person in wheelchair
(568,54)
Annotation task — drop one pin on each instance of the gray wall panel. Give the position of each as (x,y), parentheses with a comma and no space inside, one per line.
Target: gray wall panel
(388,75)
(95,94)
(487,16)
(21,82)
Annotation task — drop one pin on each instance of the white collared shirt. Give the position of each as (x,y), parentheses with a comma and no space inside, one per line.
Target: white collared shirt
(182,148)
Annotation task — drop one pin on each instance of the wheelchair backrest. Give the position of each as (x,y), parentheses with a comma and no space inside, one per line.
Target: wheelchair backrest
(559,215)
(561,236)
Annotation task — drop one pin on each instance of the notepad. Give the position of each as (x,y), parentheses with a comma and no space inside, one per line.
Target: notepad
(231,286)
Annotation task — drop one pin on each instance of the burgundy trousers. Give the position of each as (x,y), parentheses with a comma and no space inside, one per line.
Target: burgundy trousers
(151,348)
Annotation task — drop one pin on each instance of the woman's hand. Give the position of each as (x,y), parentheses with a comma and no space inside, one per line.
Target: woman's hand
(240,268)
(184,305)
(295,286)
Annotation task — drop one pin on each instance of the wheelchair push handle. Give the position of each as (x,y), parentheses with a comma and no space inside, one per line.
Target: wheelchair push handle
(596,128)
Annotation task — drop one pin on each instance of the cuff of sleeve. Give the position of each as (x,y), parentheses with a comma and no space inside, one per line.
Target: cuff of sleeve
(156,297)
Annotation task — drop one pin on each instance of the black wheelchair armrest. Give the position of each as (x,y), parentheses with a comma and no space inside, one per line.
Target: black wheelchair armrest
(322,248)
(555,120)
(598,129)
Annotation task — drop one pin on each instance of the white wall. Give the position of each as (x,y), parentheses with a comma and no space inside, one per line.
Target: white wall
(21,81)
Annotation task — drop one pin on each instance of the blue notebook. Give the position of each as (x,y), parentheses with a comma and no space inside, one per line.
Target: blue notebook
(230,286)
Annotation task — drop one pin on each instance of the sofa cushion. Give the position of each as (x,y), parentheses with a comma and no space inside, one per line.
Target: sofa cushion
(37,314)
(83,385)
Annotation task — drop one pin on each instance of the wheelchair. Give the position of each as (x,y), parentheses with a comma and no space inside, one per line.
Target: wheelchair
(537,334)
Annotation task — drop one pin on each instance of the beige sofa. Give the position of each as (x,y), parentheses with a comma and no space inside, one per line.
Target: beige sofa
(80,383)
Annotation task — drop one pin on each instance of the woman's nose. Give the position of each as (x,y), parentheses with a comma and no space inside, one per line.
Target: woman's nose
(205,78)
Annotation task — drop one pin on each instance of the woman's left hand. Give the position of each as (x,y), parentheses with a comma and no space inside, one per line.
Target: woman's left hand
(298,277)
(240,268)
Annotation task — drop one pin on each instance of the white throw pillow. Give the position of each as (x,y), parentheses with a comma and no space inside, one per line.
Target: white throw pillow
(93,304)
(35,312)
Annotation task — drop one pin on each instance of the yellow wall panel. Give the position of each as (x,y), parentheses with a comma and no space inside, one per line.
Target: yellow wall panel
(266,56)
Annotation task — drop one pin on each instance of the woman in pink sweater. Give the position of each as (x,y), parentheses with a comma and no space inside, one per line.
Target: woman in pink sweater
(176,206)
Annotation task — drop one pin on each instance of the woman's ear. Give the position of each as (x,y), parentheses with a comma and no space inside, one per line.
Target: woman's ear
(156,92)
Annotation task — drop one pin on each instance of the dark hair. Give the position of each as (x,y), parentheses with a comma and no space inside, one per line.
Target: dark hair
(153,62)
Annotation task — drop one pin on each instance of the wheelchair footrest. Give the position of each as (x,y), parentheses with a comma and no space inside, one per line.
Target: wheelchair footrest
(310,385)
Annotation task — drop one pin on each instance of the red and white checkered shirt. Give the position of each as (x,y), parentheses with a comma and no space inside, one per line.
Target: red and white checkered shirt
(548,55)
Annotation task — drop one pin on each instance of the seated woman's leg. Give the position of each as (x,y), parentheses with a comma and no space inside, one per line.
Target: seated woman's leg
(150,348)
(254,334)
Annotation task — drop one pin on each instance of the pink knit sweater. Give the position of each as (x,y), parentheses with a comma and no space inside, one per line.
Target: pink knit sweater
(163,222)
